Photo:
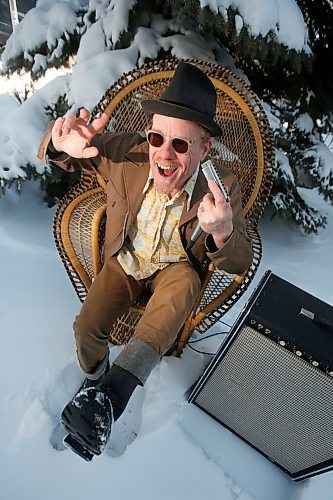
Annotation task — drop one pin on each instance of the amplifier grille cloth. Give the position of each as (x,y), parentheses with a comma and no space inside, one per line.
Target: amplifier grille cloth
(278,402)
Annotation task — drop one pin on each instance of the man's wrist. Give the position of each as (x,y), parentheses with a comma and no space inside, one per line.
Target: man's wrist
(52,151)
(221,239)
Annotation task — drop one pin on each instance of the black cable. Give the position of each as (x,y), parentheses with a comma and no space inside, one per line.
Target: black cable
(202,352)
(199,340)
(224,323)
(207,337)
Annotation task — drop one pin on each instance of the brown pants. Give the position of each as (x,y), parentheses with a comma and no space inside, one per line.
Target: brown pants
(174,290)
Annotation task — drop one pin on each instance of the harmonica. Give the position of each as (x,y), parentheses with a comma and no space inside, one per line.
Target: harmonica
(211,174)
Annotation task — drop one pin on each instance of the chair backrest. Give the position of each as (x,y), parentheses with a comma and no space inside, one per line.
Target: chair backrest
(245,146)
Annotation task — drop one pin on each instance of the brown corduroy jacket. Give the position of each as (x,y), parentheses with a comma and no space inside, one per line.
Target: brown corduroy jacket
(123,162)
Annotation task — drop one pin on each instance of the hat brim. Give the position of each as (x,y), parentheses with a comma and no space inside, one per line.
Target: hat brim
(160,107)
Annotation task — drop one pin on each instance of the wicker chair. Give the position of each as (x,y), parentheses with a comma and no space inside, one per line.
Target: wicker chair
(245,147)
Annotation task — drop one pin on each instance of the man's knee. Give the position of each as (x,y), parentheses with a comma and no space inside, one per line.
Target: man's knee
(81,326)
(87,330)
(91,344)
(187,281)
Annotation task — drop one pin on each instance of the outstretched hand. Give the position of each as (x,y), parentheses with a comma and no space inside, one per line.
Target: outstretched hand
(72,134)
(215,215)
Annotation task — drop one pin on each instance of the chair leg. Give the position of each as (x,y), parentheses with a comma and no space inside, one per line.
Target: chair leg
(184,336)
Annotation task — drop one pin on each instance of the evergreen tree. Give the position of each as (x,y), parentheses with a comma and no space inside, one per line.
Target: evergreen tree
(293,82)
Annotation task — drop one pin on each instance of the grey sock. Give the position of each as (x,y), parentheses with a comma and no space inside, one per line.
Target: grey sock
(138,358)
(100,369)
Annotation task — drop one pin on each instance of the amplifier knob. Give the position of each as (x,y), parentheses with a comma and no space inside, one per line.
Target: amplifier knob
(315,363)
(298,353)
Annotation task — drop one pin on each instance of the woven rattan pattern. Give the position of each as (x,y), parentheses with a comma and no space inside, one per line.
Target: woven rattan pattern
(88,183)
(221,281)
(80,229)
(245,148)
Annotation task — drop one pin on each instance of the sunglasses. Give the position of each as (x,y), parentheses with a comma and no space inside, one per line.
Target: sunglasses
(181,146)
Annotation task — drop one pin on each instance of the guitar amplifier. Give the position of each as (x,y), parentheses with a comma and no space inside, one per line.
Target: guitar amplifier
(271,381)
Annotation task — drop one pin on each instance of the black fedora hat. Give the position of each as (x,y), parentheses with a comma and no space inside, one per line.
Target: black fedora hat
(190,96)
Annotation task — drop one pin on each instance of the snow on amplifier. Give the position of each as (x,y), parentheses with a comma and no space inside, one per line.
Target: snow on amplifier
(271,382)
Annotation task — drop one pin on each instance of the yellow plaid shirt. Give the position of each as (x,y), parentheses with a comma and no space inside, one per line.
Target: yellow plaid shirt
(153,241)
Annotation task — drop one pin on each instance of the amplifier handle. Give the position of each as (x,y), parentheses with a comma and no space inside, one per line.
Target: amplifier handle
(317,319)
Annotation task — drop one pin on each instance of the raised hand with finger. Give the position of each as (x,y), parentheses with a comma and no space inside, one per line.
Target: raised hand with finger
(215,215)
(72,134)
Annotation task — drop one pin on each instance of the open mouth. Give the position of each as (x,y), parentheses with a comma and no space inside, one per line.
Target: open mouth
(166,170)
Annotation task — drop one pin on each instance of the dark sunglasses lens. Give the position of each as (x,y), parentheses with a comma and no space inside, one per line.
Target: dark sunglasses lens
(180,146)
(156,140)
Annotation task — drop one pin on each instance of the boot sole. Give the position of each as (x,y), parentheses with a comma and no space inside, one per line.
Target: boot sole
(81,428)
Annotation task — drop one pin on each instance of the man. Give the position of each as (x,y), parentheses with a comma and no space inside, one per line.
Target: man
(156,196)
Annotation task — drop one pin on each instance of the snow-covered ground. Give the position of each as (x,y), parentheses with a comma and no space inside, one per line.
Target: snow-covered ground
(163,448)
(179,452)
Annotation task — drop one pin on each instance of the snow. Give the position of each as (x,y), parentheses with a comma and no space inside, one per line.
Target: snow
(116,19)
(28,36)
(163,447)
(20,149)
(179,451)
(97,67)
(7,104)
(282,17)
(323,157)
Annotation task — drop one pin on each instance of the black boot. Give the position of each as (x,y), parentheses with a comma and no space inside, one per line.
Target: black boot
(71,441)
(91,381)
(119,385)
(89,416)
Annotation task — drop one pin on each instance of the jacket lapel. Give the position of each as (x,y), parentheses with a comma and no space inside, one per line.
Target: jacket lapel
(136,172)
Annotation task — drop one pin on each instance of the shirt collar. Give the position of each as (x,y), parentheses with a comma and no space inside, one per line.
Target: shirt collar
(189,186)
